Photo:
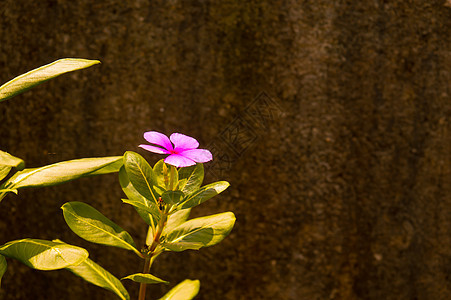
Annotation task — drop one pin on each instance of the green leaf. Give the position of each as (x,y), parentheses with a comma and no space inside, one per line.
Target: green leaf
(62,172)
(4,171)
(172,197)
(110,168)
(9,190)
(89,224)
(186,290)
(44,255)
(203,194)
(95,274)
(200,232)
(190,178)
(37,76)
(3,266)
(137,200)
(145,278)
(161,172)
(140,174)
(8,160)
(146,206)
(175,220)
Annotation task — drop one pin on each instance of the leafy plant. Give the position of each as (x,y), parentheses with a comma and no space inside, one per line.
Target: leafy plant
(35,253)
(163,195)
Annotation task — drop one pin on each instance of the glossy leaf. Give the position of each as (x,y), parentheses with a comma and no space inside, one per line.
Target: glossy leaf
(145,278)
(9,190)
(203,194)
(138,200)
(172,197)
(140,174)
(91,225)
(4,171)
(191,178)
(176,219)
(95,274)
(200,232)
(145,206)
(4,192)
(37,76)
(44,255)
(109,168)
(161,172)
(63,172)
(8,160)
(3,267)
(186,290)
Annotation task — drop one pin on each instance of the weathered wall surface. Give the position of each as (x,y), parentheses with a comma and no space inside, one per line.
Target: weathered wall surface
(340,174)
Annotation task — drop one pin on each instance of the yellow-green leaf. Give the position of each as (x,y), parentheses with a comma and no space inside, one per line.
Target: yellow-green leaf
(200,232)
(44,255)
(37,76)
(186,290)
(145,278)
(3,266)
(95,274)
(91,225)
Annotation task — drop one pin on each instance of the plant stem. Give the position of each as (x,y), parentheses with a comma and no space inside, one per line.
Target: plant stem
(143,286)
(151,253)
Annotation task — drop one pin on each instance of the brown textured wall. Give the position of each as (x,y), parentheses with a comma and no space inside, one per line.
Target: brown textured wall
(342,190)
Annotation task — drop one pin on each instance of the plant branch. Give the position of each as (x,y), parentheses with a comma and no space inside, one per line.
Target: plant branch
(143,286)
(151,253)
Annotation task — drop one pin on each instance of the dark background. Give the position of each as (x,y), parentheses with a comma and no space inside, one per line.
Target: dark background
(330,119)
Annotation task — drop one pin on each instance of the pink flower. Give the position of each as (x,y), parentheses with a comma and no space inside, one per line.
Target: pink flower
(183,153)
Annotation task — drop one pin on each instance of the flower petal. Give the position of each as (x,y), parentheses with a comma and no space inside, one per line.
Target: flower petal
(182,141)
(155,149)
(159,139)
(178,160)
(198,155)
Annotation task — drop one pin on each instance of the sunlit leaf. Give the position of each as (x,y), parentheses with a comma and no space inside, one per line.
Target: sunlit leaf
(200,232)
(145,278)
(8,160)
(109,168)
(190,178)
(44,255)
(148,214)
(175,220)
(140,174)
(172,197)
(37,76)
(62,172)
(203,194)
(161,172)
(4,171)
(186,290)
(95,274)
(91,225)
(164,174)
(9,190)
(146,206)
